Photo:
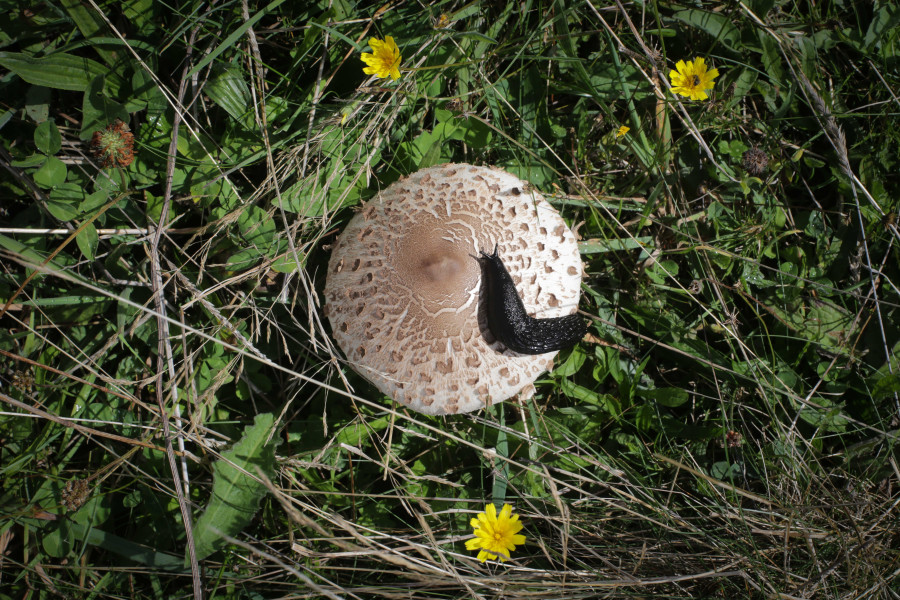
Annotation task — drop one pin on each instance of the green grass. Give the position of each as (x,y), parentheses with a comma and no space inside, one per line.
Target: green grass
(730,430)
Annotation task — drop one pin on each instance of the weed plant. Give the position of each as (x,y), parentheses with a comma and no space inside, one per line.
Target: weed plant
(176,421)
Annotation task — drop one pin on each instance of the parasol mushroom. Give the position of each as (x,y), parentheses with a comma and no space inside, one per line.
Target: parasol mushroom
(406,291)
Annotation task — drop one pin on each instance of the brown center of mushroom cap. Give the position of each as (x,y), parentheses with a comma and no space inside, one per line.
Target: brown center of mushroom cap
(441,267)
(436,266)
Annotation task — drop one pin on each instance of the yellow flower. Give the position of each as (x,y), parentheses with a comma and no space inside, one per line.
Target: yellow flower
(384,60)
(622,131)
(495,536)
(691,79)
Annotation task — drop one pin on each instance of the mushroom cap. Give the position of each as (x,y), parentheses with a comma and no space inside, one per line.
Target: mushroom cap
(404,286)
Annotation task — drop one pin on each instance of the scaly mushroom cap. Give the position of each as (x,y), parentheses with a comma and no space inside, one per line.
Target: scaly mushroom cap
(404,290)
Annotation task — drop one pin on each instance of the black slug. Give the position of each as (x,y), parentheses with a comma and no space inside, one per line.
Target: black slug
(509,322)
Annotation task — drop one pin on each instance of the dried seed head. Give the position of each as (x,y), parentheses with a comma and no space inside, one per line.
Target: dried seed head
(75,494)
(755,162)
(455,105)
(733,439)
(23,380)
(114,146)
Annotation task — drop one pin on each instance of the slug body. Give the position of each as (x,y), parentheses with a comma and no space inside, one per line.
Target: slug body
(509,322)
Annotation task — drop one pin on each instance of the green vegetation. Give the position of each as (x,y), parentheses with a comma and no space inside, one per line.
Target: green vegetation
(729,430)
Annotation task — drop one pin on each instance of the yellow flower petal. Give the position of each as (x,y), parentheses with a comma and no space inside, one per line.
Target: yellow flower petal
(692,79)
(496,536)
(384,60)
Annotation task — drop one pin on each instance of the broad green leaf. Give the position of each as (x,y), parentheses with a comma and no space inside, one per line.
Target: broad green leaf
(644,417)
(819,322)
(725,471)
(93,512)
(35,160)
(601,246)
(65,200)
(257,227)
(359,434)
(431,156)
(74,300)
(229,90)
(771,59)
(139,14)
(210,188)
(236,492)
(111,183)
(742,85)
(286,263)
(244,259)
(475,133)
(275,107)
(829,416)
(145,90)
(887,386)
(93,201)
(572,363)
(87,241)
(716,25)
(91,25)
(69,192)
(51,173)
(341,10)
(47,138)
(660,272)
(668,396)
(155,206)
(300,198)
(58,71)
(604,401)
(809,161)
(58,541)
(37,103)
(99,110)
(752,276)
(886,17)
(470,130)
(734,148)
(808,59)
(574,462)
